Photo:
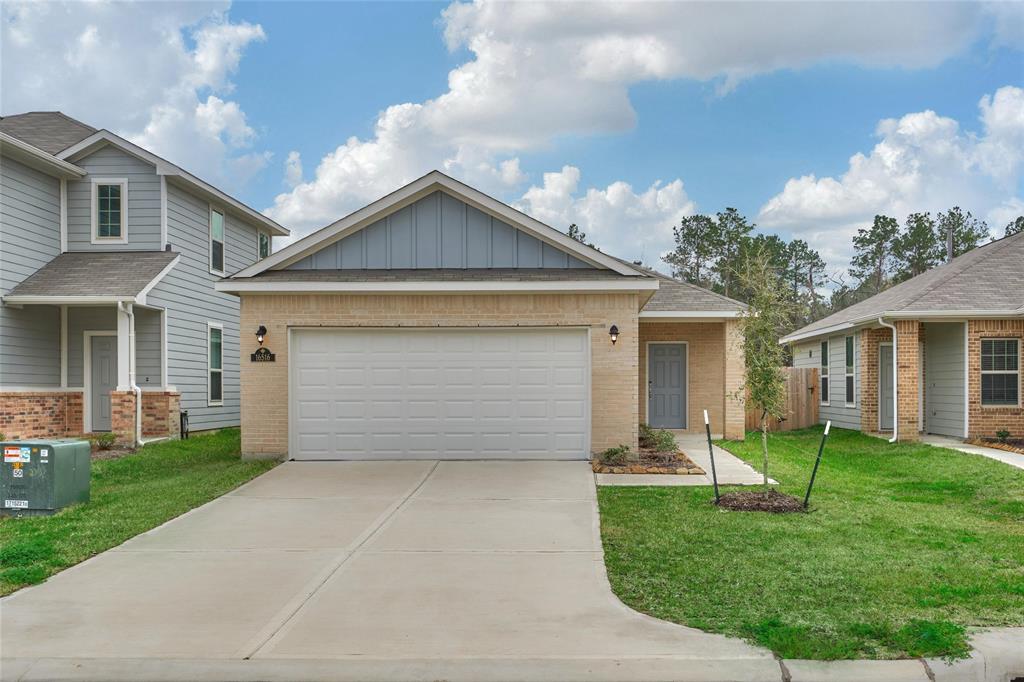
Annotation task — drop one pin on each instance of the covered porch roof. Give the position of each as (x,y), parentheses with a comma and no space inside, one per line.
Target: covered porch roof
(94,277)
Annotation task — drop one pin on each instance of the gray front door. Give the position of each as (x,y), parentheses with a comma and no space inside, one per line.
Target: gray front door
(103,380)
(666,385)
(885,406)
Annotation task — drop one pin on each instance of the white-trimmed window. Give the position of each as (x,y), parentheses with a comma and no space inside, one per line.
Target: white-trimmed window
(262,245)
(109,210)
(1000,372)
(216,241)
(824,398)
(851,395)
(215,363)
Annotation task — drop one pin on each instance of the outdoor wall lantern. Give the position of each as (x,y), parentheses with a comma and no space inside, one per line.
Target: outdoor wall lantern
(614,333)
(261,333)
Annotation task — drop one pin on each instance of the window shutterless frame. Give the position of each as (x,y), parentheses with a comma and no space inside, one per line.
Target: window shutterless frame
(214,364)
(851,392)
(1000,372)
(824,387)
(108,211)
(218,241)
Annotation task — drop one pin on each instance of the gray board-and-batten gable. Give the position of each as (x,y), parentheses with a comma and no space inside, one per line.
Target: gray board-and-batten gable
(438,231)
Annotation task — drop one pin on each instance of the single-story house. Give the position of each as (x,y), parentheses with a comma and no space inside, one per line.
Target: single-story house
(939,353)
(438,322)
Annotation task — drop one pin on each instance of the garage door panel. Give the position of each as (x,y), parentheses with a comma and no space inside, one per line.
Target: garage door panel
(450,393)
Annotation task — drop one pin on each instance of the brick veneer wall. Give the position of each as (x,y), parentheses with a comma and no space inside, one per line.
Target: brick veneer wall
(715,367)
(264,391)
(986,420)
(869,342)
(908,364)
(122,415)
(41,414)
(161,414)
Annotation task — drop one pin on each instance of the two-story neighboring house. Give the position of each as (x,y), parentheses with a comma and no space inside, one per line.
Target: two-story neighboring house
(108,257)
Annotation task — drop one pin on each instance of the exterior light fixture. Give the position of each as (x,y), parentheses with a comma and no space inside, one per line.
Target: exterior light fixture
(614,333)
(261,333)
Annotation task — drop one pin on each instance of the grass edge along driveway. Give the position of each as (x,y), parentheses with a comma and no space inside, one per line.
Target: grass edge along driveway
(129,496)
(906,546)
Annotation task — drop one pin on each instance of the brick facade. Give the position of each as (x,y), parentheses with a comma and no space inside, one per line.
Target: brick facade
(715,367)
(161,414)
(614,368)
(869,342)
(986,420)
(122,415)
(908,387)
(42,414)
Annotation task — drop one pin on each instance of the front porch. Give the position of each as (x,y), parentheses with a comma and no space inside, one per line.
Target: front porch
(688,365)
(112,374)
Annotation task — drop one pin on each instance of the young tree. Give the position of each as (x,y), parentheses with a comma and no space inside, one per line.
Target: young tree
(1015,227)
(873,256)
(769,311)
(968,231)
(917,249)
(698,241)
(734,230)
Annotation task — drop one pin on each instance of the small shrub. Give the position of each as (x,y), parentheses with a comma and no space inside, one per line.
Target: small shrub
(1003,435)
(646,436)
(615,456)
(663,441)
(103,440)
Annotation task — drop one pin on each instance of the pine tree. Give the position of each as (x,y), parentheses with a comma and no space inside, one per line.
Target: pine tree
(698,242)
(917,248)
(873,257)
(968,231)
(1015,227)
(734,231)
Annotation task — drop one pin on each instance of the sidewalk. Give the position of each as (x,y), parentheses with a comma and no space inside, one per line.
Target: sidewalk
(1011,458)
(731,469)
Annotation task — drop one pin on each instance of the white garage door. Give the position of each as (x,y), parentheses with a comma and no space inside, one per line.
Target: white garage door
(440,394)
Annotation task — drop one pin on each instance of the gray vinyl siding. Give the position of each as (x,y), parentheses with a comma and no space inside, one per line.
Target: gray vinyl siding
(29,239)
(188,296)
(438,231)
(147,348)
(809,355)
(142,217)
(81,320)
(944,378)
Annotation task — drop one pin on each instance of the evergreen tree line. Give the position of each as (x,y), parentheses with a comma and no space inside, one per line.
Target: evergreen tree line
(710,250)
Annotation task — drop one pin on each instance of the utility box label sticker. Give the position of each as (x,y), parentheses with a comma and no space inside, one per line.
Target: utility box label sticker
(14,453)
(16,504)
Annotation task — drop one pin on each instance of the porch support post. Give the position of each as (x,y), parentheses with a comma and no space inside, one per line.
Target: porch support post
(63,346)
(735,403)
(124,349)
(907,367)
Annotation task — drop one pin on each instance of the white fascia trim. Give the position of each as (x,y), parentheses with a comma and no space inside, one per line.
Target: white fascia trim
(691,314)
(233,286)
(418,189)
(66,300)
(53,164)
(140,297)
(946,315)
(164,167)
(94,237)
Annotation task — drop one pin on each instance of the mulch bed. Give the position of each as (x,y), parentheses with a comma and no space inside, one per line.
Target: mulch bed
(757,500)
(111,453)
(1012,445)
(652,462)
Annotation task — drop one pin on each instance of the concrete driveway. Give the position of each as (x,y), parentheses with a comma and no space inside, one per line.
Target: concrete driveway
(364,570)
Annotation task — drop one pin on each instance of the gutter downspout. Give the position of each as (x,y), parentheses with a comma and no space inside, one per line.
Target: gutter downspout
(127,310)
(895,383)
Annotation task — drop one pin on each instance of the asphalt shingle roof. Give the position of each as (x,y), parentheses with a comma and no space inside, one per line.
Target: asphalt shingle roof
(988,278)
(106,273)
(50,131)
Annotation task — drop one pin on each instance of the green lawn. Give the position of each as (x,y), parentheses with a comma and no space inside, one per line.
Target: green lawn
(905,546)
(129,496)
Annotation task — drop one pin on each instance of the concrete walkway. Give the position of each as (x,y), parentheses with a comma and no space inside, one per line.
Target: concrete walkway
(731,469)
(1012,458)
(387,571)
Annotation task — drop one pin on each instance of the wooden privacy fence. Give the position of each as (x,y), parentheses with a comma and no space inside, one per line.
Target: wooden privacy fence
(801,408)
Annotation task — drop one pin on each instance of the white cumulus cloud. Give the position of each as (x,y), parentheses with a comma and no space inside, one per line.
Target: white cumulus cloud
(158,74)
(922,162)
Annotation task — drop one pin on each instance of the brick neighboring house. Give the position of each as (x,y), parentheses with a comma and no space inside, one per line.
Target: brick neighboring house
(438,322)
(957,334)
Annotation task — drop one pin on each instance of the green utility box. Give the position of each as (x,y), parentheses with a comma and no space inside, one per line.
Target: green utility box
(41,476)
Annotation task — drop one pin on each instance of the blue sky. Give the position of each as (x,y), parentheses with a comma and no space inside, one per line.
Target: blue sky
(640,114)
